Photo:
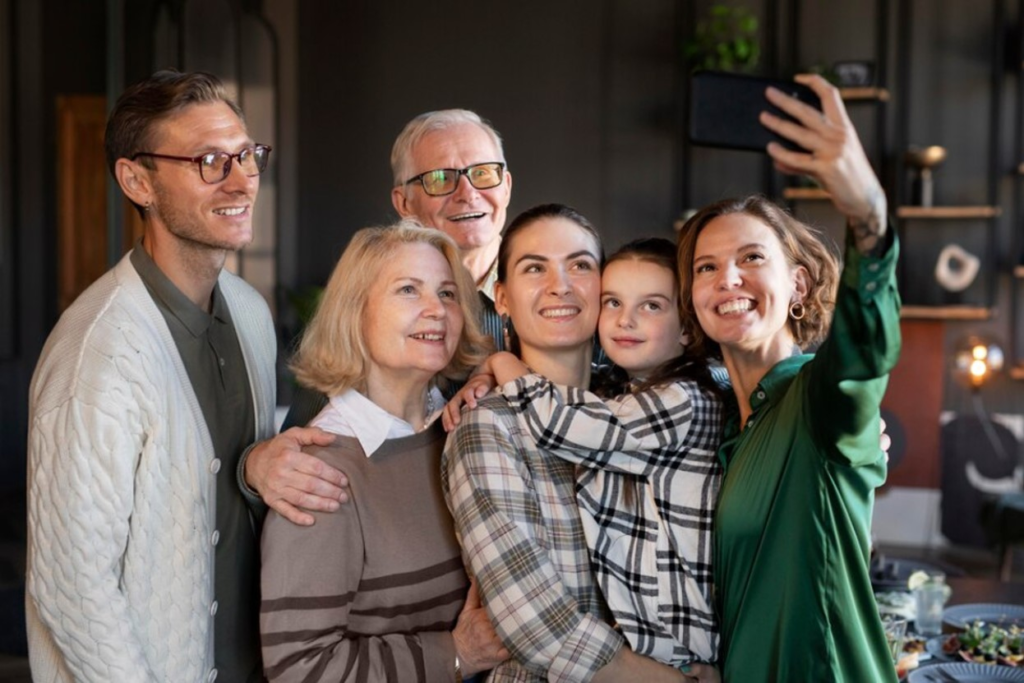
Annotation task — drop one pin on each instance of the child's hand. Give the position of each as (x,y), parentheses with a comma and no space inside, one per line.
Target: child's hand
(477,386)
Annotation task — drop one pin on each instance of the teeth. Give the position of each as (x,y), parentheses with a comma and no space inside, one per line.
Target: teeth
(429,336)
(559,312)
(466,216)
(735,306)
(237,211)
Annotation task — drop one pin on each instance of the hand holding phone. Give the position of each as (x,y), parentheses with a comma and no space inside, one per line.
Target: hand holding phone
(724,110)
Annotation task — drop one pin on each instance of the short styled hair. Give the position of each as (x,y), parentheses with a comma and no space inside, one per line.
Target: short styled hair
(333,356)
(429,122)
(802,245)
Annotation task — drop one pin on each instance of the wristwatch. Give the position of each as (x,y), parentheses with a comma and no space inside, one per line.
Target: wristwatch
(458,670)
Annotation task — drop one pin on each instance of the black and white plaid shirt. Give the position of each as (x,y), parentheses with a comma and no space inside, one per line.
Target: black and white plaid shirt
(646,487)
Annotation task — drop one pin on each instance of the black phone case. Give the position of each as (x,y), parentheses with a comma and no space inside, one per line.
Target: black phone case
(724,110)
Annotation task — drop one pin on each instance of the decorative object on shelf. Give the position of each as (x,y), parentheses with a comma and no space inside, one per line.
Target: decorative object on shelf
(956,268)
(852,74)
(725,41)
(975,360)
(924,159)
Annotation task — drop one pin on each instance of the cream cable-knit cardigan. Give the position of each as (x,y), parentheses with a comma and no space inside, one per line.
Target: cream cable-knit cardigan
(121,480)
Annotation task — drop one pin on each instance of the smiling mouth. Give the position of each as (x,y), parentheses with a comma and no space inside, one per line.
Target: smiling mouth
(428,336)
(231,211)
(735,306)
(561,312)
(630,341)
(469,216)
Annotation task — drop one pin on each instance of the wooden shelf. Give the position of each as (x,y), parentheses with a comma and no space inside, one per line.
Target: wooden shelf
(1017,372)
(864,94)
(945,313)
(946,212)
(805,193)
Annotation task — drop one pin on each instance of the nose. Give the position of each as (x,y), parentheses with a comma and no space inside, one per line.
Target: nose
(464,190)
(625,318)
(238,181)
(558,281)
(434,307)
(729,276)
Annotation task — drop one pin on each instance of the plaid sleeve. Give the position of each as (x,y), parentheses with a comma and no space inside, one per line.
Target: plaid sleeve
(633,433)
(493,497)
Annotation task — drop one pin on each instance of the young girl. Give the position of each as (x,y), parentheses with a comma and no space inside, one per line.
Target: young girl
(649,474)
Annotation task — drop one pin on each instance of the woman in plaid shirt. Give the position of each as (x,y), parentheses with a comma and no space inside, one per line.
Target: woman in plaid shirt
(650,476)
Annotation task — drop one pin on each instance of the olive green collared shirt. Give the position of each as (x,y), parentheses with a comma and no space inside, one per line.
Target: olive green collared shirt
(793,526)
(209,349)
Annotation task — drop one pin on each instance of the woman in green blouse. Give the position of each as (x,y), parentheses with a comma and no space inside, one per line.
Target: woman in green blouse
(801,449)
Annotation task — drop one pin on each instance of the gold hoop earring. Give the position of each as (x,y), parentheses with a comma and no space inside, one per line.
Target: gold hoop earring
(797,311)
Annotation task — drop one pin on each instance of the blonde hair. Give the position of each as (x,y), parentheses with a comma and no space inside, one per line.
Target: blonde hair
(332,356)
(802,245)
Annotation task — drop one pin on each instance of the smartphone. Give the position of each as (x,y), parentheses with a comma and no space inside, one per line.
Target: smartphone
(724,110)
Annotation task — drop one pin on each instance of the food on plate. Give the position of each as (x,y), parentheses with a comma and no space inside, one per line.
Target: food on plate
(907,663)
(913,645)
(987,644)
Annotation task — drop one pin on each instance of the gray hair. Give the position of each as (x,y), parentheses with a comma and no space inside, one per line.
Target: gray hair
(415,130)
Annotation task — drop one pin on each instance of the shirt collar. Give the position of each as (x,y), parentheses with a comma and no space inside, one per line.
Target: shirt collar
(350,413)
(192,317)
(486,286)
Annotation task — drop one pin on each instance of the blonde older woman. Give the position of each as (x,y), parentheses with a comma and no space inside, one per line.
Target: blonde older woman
(377,591)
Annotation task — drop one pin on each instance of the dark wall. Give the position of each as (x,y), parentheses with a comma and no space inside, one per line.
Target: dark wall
(582,92)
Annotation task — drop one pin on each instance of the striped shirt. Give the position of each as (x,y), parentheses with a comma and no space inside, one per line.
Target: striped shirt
(515,513)
(646,489)
(372,591)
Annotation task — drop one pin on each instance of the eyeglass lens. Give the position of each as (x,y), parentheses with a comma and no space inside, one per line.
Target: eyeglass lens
(215,166)
(444,180)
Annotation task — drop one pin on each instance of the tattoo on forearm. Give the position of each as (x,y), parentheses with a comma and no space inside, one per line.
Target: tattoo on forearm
(868,230)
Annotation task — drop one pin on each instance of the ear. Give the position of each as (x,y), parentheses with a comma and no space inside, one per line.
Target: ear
(135,181)
(801,284)
(508,187)
(401,202)
(500,299)
(684,339)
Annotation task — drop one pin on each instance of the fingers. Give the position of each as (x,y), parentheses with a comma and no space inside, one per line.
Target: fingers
(472,596)
(831,99)
(290,512)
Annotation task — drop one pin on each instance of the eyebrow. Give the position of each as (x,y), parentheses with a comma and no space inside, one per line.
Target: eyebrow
(652,295)
(419,281)
(539,257)
(745,247)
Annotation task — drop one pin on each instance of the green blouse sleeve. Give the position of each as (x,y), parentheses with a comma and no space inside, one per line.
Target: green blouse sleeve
(848,376)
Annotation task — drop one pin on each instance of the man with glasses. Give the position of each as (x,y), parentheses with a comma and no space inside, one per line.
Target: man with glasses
(143,557)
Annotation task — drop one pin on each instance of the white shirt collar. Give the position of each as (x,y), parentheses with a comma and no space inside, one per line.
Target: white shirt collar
(352,414)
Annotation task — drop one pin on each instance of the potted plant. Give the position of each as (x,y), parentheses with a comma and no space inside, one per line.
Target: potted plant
(725,41)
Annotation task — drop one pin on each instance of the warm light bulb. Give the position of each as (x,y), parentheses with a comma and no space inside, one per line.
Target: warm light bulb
(980,352)
(978,368)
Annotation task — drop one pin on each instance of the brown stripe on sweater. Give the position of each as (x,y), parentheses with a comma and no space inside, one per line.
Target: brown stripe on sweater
(413,607)
(323,657)
(306,603)
(412,578)
(417,657)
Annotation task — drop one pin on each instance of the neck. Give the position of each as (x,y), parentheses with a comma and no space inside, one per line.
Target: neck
(570,367)
(479,261)
(403,397)
(747,369)
(192,268)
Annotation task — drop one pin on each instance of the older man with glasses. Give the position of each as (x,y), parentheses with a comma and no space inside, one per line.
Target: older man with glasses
(450,174)
(143,557)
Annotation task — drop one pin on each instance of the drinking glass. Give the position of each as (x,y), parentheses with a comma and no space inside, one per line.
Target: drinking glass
(895,631)
(930,597)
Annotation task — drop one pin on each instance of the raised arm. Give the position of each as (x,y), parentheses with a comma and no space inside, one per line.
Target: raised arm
(835,158)
(633,433)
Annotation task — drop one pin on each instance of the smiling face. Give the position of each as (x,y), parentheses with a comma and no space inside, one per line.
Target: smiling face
(473,218)
(640,328)
(412,319)
(743,286)
(552,287)
(198,214)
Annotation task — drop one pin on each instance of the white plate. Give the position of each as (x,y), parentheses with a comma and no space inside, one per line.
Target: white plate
(962,616)
(963,672)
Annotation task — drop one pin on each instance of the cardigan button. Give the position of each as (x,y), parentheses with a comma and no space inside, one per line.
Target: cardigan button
(213,609)
(212,676)
(870,286)
(760,395)
(215,538)
(215,465)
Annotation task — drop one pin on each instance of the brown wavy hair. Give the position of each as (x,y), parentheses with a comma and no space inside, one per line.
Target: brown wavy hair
(802,245)
(332,356)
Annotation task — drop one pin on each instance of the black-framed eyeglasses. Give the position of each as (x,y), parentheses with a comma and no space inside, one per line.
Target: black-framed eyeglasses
(214,167)
(442,181)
